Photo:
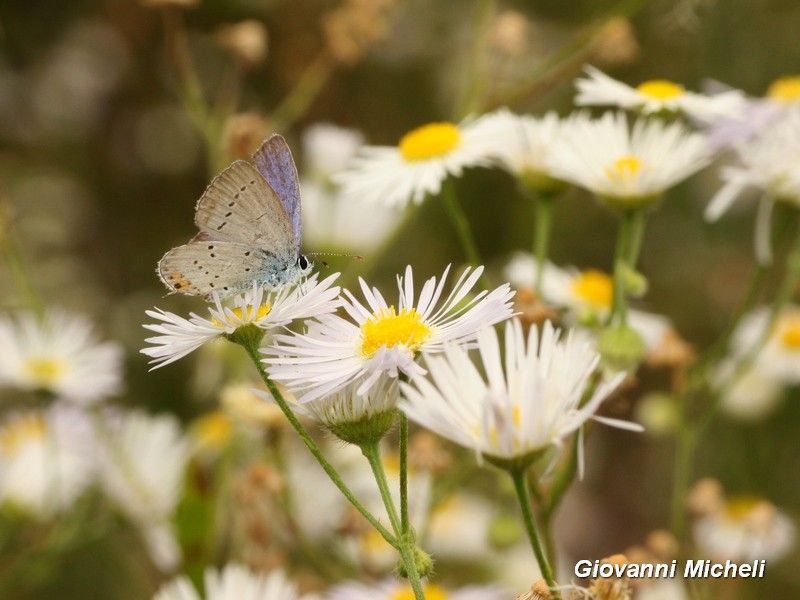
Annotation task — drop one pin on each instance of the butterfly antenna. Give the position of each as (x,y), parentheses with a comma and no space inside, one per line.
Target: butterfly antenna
(353,256)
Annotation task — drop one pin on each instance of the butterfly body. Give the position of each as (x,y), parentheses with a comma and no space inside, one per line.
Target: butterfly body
(249,222)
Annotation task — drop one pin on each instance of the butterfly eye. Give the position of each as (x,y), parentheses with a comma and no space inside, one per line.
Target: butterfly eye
(302,262)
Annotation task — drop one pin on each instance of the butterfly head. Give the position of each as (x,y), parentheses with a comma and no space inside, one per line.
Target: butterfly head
(304,265)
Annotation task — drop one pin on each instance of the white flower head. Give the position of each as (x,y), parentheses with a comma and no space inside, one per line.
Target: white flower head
(525,146)
(267,310)
(769,164)
(628,167)
(45,461)
(60,354)
(234,582)
(382,337)
(586,296)
(328,149)
(394,590)
(417,166)
(745,529)
(779,357)
(656,96)
(142,465)
(525,404)
(752,395)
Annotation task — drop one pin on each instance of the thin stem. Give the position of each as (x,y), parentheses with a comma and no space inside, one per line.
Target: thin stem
(518,477)
(297,101)
(475,80)
(638,220)
(619,308)
(372,453)
(541,240)
(333,474)
(461,224)
(404,522)
(17,267)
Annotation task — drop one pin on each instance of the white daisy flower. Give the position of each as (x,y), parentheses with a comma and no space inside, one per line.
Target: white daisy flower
(528,405)
(628,168)
(526,146)
(417,166)
(331,219)
(656,96)
(59,354)
(394,590)
(45,461)
(142,465)
(586,295)
(779,358)
(234,582)
(770,164)
(380,338)
(267,310)
(743,530)
(753,395)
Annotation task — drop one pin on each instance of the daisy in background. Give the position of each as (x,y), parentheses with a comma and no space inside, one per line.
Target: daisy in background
(526,146)
(394,590)
(627,168)
(422,160)
(740,529)
(142,464)
(331,219)
(779,356)
(770,165)
(46,461)
(180,336)
(656,96)
(586,296)
(527,404)
(234,582)
(382,337)
(58,354)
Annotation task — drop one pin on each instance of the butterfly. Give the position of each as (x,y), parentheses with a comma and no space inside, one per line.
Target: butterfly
(249,222)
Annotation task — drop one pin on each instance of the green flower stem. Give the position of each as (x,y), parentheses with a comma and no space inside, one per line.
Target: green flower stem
(308,87)
(250,344)
(475,79)
(461,224)
(690,434)
(541,240)
(404,522)
(518,477)
(16,265)
(638,220)
(619,307)
(407,544)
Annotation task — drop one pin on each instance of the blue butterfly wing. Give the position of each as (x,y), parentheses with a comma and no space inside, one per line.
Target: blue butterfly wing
(274,161)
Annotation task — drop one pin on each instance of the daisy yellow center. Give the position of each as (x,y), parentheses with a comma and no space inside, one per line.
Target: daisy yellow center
(213,430)
(785,89)
(262,312)
(624,169)
(429,141)
(789,332)
(387,328)
(660,89)
(739,509)
(594,287)
(23,430)
(432,592)
(45,371)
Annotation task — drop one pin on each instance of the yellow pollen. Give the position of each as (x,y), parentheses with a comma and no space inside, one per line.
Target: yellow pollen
(625,169)
(45,371)
(789,332)
(429,141)
(740,508)
(594,287)
(213,430)
(387,328)
(432,592)
(262,312)
(660,89)
(24,429)
(785,89)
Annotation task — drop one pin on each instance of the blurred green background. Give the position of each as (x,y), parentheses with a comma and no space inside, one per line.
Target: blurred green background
(100,168)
